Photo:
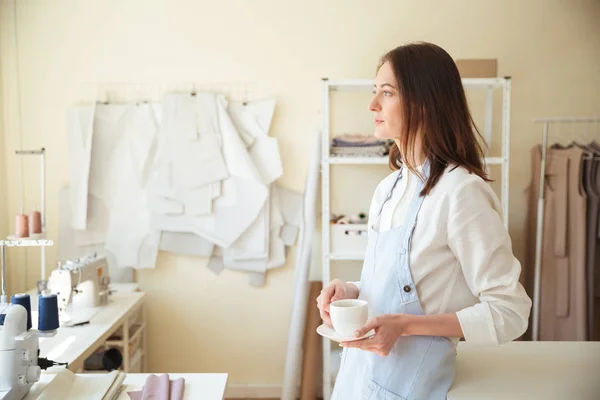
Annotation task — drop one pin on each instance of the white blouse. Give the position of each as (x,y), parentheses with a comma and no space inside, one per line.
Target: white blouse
(461,256)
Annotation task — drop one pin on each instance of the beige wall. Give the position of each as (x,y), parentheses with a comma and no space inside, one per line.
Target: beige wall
(202,322)
(8,122)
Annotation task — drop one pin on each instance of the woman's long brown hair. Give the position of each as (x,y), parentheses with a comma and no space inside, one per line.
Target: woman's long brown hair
(435,107)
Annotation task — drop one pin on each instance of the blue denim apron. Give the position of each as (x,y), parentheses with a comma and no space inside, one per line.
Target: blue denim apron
(418,367)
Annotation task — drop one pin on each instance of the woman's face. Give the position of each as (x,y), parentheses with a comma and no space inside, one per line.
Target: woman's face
(386,104)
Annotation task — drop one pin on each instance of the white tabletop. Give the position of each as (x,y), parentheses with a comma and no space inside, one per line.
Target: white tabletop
(528,370)
(197,386)
(75,344)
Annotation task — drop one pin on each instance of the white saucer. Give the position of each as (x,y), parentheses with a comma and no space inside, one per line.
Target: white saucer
(330,333)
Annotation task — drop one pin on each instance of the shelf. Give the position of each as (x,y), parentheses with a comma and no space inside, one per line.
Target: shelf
(384,160)
(25,242)
(357,160)
(347,257)
(35,236)
(136,330)
(135,360)
(367,84)
(478,83)
(114,343)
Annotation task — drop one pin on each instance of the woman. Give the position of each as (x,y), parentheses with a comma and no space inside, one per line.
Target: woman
(439,263)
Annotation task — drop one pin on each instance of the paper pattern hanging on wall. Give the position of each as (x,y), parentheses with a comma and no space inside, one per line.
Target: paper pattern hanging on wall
(193,174)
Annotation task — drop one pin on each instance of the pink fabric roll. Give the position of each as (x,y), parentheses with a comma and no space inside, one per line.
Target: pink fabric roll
(159,388)
(22,227)
(177,389)
(35,222)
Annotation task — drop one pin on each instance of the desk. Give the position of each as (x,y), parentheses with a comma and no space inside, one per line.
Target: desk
(528,370)
(75,344)
(197,386)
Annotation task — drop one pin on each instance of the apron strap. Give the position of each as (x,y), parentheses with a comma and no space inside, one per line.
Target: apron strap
(389,194)
(415,206)
(403,275)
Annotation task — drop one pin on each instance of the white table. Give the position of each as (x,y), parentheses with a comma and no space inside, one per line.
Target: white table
(528,370)
(197,386)
(75,344)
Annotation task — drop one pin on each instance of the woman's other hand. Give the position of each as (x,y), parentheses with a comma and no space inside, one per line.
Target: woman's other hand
(388,328)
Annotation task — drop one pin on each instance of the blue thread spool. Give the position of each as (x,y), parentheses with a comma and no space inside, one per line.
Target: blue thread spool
(23,300)
(48,312)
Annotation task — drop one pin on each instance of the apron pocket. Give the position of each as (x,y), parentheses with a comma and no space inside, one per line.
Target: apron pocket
(377,392)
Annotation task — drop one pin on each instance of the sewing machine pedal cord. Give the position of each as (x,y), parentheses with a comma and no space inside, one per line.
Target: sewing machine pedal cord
(44,363)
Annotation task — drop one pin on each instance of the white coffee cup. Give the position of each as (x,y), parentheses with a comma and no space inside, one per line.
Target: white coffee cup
(348,315)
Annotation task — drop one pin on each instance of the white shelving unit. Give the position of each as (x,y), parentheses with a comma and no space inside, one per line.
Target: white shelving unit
(130,338)
(489,85)
(26,242)
(38,240)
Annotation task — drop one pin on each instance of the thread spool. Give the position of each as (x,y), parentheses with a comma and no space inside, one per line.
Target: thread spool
(35,222)
(24,300)
(22,226)
(48,312)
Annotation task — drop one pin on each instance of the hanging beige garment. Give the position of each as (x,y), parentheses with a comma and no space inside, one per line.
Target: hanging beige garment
(592,205)
(563,302)
(592,188)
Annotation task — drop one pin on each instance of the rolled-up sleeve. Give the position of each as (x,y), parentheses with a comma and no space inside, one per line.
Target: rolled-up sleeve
(481,244)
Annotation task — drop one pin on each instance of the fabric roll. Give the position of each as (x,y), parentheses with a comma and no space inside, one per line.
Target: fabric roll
(159,387)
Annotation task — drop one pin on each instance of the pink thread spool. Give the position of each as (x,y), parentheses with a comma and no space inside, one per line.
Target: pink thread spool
(35,222)
(22,227)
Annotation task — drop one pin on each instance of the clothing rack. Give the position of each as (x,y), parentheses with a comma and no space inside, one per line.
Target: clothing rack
(547,121)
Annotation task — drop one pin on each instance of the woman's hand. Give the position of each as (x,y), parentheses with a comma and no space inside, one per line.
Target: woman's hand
(335,290)
(388,328)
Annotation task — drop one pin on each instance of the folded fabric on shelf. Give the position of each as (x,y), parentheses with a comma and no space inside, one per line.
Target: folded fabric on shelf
(371,151)
(356,145)
(356,140)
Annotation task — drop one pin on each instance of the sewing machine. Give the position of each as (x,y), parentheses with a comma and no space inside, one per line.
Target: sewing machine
(81,283)
(20,366)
